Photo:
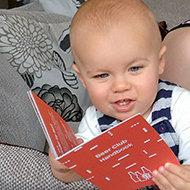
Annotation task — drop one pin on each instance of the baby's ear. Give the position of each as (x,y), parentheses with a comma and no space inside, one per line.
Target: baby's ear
(75,68)
(162,59)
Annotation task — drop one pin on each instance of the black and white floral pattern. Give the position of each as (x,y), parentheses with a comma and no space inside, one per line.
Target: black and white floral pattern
(26,45)
(61,100)
(41,54)
(78,3)
(69,77)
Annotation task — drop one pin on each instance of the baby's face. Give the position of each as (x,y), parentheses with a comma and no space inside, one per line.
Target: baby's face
(120,71)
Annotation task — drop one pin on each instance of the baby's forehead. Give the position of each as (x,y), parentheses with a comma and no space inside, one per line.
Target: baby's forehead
(122,27)
(104,15)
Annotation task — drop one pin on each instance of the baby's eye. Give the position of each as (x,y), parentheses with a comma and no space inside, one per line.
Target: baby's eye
(134,69)
(102,76)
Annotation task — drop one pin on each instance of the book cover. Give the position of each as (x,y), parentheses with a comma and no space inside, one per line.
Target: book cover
(59,135)
(121,158)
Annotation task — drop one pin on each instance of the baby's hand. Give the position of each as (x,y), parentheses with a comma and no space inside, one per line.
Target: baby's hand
(61,171)
(172,177)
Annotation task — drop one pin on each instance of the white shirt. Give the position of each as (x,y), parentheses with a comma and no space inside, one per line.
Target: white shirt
(180,113)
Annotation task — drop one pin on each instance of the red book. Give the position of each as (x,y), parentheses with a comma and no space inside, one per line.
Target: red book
(121,158)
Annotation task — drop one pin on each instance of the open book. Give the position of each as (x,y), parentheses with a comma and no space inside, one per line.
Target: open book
(121,158)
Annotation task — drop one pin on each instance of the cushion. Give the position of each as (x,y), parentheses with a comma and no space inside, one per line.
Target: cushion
(18,122)
(24,168)
(37,46)
(67,8)
(34,5)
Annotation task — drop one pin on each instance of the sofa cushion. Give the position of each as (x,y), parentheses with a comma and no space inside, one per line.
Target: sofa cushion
(67,8)
(37,45)
(24,168)
(34,5)
(18,122)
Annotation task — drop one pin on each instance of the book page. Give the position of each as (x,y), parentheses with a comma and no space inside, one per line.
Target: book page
(59,135)
(122,157)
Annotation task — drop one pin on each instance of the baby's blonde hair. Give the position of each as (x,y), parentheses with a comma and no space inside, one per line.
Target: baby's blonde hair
(101,15)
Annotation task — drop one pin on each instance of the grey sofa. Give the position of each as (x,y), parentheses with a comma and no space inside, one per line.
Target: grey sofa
(35,54)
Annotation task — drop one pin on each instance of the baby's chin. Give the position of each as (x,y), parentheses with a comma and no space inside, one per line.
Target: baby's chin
(122,117)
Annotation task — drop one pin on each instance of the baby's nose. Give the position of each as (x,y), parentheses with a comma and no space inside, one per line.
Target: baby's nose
(121,85)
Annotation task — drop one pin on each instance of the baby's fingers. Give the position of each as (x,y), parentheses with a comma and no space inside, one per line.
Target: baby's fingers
(182,171)
(56,165)
(161,181)
(170,177)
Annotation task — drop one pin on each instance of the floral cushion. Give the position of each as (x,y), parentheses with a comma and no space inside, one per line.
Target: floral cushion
(37,45)
(67,7)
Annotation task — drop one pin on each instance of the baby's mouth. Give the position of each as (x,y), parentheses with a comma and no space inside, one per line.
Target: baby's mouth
(124,105)
(123,102)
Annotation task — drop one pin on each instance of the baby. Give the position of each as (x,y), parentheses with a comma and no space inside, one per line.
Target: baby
(116,45)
